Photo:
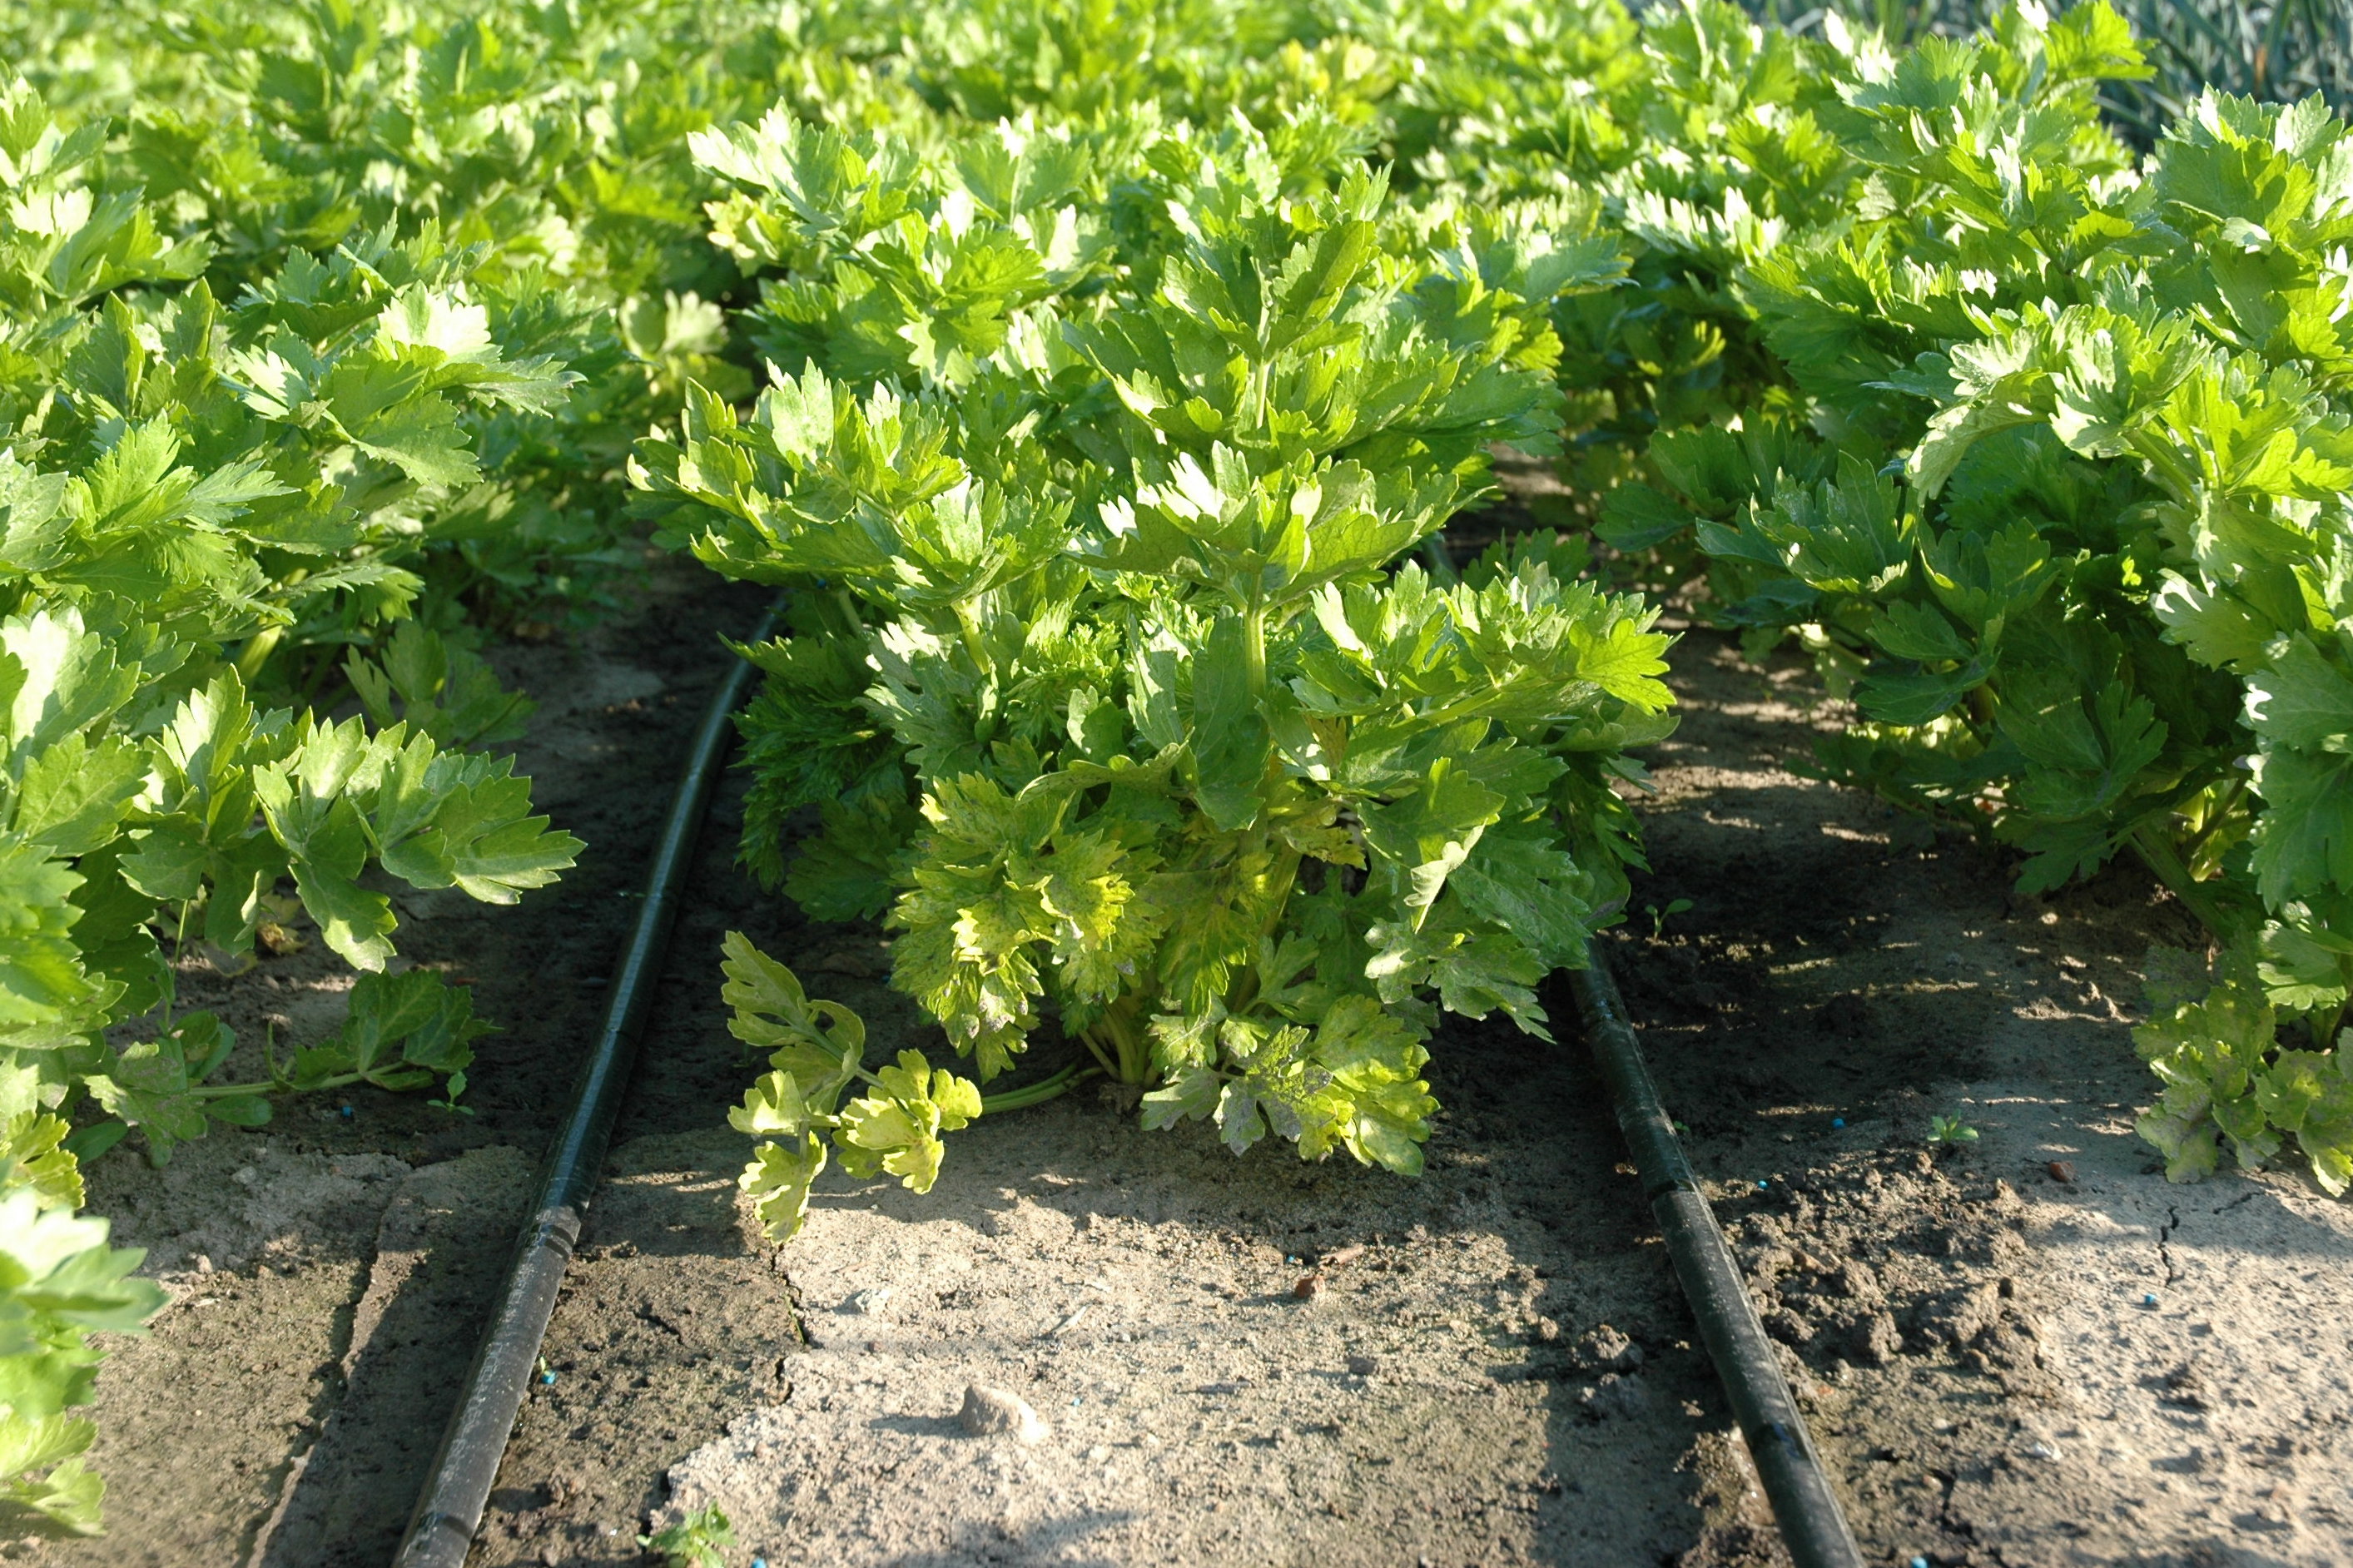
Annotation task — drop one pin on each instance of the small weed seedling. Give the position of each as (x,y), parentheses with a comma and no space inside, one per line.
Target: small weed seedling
(697,1541)
(1951,1130)
(1660,917)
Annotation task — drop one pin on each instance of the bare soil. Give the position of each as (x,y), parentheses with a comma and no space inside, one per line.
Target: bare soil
(2002,1367)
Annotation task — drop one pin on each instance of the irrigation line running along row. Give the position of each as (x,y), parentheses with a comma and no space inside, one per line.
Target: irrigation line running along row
(458,1486)
(1783,1450)
(450,1510)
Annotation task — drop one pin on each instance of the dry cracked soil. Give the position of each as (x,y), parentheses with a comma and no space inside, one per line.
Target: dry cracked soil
(2024,1349)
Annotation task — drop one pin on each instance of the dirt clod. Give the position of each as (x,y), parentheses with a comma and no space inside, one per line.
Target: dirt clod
(1606,1348)
(1877,1339)
(1959,1316)
(1847,1015)
(1617,1398)
(992,1412)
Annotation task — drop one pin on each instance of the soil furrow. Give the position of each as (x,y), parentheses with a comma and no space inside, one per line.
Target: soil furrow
(2003,1365)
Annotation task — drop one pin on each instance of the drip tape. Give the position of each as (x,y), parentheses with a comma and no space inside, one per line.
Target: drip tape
(457,1488)
(450,1510)
(1779,1444)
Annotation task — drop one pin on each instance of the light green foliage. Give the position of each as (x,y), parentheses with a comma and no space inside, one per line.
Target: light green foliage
(2279,50)
(545,145)
(700,1539)
(1951,1130)
(1104,668)
(817,1052)
(2034,439)
(60,1283)
(110,838)
(201,504)
(2212,1041)
(2039,446)
(265,399)
(1113,360)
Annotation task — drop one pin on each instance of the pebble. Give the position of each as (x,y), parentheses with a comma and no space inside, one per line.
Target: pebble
(2060,1171)
(1308,1287)
(872,1302)
(1364,1365)
(2041,1451)
(990,1411)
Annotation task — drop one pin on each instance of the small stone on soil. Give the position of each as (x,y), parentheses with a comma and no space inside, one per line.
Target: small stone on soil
(2060,1171)
(1364,1365)
(990,1411)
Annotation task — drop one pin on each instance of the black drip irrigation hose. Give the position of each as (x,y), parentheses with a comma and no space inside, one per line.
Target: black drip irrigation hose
(441,1532)
(449,1510)
(1783,1450)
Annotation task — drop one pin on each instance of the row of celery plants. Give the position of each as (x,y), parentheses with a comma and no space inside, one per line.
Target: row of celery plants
(2034,439)
(1103,673)
(322,342)
(2041,445)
